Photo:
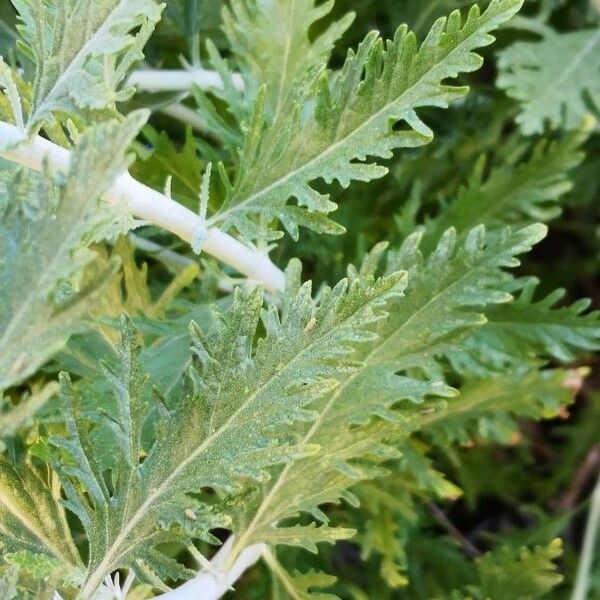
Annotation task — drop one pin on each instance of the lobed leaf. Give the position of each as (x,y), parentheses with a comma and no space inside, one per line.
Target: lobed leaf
(349,434)
(81,53)
(220,433)
(555,79)
(367,110)
(47,225)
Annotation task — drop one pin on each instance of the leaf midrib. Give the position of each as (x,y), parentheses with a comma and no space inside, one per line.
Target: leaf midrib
(286,57)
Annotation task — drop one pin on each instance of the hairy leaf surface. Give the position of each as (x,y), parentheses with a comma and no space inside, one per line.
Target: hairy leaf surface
(442,302)
(47,225)
(367,110)
(220,432)
(555,80)
(81,53)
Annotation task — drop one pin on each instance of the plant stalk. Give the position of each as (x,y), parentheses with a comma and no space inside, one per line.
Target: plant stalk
(582,582)
(181,80)
(212,584)
(149,205)
(186,115)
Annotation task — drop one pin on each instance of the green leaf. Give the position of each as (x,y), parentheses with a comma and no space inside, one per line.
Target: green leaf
(367,110)
(528,574)
(516,193)
(10,95)
(390,508)
(288,63)
(192,16)
(488,408)
(382,535)
(164,162)
(82,52)
(296,585)
(272,44)
(555,80)
(32,518)
(8,35)
(47,225)
(39,566)
(346,440)
(220,433)
(530,332)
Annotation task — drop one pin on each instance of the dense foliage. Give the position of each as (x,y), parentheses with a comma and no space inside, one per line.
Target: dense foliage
(293,299)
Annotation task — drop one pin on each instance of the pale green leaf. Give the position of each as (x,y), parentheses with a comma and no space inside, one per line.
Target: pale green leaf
(271,42)
(366,110)
(220,431)
(32,518)
(555,80)
(8,583)
(82,52)
(47,225)
(346,440)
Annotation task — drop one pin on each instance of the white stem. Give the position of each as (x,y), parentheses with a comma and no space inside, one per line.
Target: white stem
(173,261)
(214,583)
(582,581)
(176,263)
(186,115)
(162,80)
(149,205)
